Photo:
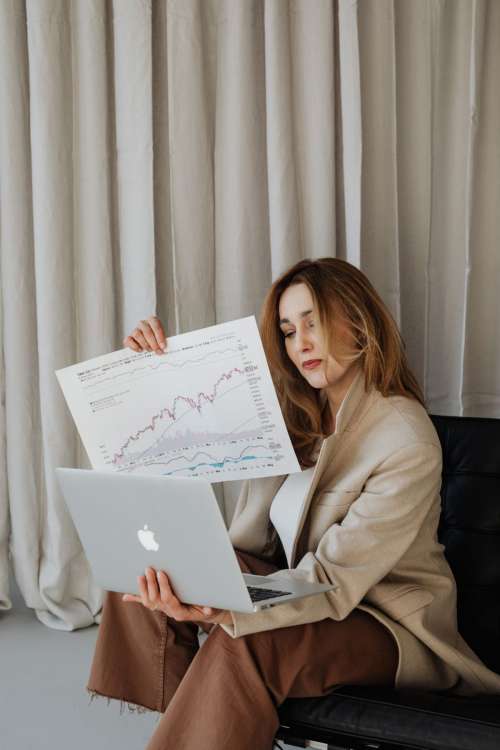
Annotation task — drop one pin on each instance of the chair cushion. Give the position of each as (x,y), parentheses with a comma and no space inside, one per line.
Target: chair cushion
(408,718)
(470,526)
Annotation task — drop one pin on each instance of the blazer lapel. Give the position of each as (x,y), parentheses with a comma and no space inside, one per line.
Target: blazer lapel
(350,411)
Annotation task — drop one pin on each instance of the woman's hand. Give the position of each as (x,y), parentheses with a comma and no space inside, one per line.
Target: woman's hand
(147,335)
(156,593)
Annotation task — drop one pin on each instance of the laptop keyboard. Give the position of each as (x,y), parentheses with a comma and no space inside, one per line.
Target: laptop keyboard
(257,594)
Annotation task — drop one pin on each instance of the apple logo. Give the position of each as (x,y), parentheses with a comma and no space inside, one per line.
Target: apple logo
(147,539)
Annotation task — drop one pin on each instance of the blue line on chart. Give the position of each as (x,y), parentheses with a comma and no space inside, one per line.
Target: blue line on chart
(206,453)
(218,465)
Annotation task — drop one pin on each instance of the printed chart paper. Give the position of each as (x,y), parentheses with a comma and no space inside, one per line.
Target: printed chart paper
(206,408)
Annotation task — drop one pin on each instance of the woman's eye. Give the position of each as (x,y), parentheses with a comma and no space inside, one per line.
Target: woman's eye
(290,333)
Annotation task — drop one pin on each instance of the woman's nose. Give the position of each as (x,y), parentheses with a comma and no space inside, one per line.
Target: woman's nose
(302,341)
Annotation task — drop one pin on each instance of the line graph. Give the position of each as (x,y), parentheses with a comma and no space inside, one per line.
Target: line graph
(170,412)
(205,408)
(184,463)
(93,381)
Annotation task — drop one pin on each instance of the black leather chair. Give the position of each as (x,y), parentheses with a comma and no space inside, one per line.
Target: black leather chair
(388,719)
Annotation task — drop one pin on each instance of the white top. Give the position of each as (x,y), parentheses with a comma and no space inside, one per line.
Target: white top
(286,507)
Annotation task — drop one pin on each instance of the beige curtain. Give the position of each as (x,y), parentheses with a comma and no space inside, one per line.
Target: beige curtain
(176,155)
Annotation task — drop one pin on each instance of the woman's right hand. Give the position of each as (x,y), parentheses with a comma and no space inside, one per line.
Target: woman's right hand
(148,336)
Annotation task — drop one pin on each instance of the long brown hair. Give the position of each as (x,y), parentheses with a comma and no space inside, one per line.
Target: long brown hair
(340,291)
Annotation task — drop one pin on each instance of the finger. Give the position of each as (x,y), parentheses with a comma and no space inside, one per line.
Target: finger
(158,331)
(148,334)
(191,613)
(203,614)
(144,593)
(168,596)
(187,612)
(166,593)
(171,602)
(139,336)
(136,338)
(131,344)
(152,584)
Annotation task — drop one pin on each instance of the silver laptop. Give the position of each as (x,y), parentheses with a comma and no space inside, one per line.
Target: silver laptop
(129,522)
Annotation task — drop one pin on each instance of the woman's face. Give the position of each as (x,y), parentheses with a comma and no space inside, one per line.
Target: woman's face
(305,343)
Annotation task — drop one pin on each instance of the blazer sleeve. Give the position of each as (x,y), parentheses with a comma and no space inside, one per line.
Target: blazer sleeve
(357,553)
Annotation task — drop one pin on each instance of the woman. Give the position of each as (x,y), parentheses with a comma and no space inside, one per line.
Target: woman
(363,513)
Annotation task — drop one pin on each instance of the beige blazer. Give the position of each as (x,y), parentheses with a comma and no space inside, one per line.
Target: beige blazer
(369,524)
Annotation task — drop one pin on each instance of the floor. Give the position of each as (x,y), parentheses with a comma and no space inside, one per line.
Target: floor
(43,701)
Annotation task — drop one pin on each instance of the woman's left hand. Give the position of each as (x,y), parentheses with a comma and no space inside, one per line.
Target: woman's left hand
(156,593)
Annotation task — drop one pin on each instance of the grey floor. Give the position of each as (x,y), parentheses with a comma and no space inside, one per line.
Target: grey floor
(43,701)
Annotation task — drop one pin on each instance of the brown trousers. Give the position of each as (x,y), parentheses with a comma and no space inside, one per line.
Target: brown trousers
(226,693)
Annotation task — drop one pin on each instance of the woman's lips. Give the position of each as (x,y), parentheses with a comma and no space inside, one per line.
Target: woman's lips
(311,364)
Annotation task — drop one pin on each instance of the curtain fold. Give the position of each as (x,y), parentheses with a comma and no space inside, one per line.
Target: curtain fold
(175,156)
(22,493)
(414,168)
(95,228)
(190,88)
(479,366)
(282,181)
(352,142)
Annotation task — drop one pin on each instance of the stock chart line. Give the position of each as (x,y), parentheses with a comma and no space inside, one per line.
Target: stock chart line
(170,412)
(213,460)
(218,356)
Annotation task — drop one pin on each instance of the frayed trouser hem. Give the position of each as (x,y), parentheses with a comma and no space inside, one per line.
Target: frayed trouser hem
(133,708)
